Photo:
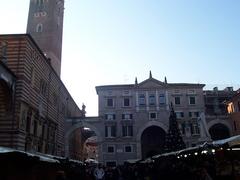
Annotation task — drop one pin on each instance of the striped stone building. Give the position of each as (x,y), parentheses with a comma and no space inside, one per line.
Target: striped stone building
(33,107)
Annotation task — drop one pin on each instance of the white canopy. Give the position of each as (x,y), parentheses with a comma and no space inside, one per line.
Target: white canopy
(232,141)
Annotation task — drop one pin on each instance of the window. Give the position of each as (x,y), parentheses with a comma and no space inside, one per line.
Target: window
(110,116)
(152,100)
(126,102)
(110,149)
(194,114)
(152,115)
(43,13)
(180,115)
(128,149)
(127,131)
(110,102)
(110,131)
(161,99)
(192,100)
(142,100)
(39,28)
(196,129)
(177,100)
(127,116)
(36,14)
(40,2)
(190,114)
(238,106)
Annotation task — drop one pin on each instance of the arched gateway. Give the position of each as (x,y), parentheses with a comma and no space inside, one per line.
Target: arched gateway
(152,141)
(75,124)
(149,140)
(219,131)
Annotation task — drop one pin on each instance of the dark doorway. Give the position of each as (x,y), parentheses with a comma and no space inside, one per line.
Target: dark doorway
(219,131)
(152,141)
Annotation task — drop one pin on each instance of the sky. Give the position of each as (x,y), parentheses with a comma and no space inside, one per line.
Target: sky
(113,41)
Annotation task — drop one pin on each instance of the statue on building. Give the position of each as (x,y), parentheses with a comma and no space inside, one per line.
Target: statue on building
(83,110)
(204,133)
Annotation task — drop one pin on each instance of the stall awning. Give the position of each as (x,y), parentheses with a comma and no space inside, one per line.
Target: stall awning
(232,141)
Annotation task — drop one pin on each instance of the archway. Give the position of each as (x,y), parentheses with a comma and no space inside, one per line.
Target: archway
(219,131)
(76,137)
(152,141)
(83,144)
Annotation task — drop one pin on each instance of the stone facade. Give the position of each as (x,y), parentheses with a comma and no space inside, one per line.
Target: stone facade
(135,113)
(134,118)
(45,25)
(40,103)
(219,123)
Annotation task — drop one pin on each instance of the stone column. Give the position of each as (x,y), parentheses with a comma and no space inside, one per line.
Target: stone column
(204,134)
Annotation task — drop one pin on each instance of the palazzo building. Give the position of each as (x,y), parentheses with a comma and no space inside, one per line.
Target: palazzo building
(135,117)
(217,117)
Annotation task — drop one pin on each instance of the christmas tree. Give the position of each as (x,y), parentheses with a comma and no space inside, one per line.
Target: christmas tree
(173,141)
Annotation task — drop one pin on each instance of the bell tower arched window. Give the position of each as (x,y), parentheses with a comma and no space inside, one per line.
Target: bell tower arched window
(39,28)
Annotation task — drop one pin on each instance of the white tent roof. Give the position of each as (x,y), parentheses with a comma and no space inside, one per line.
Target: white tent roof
(234,140)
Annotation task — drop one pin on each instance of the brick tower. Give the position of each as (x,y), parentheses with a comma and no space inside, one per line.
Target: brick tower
(45,25)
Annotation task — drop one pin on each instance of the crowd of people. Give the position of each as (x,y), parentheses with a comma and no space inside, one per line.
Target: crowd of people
(204,167)
(150,171)
(222,165)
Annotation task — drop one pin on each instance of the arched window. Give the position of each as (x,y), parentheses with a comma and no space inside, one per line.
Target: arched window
(39,28)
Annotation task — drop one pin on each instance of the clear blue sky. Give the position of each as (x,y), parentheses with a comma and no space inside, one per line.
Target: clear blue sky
(113,41)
